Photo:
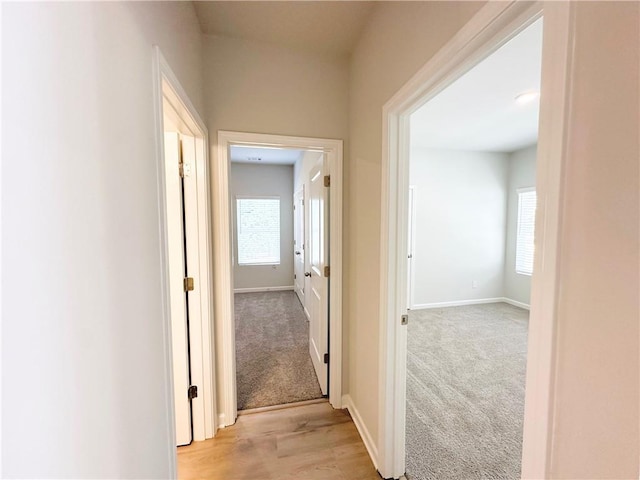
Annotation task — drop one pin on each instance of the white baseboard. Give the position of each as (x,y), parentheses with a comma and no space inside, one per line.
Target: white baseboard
(263,289)
(460,303)
(367,439)
(222,422)
(516,303)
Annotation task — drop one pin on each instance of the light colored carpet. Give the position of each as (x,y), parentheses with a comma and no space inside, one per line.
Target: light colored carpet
(273,365)
(465,392)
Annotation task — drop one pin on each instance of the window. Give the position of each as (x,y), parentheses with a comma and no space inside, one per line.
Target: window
(258,224)
(525,232)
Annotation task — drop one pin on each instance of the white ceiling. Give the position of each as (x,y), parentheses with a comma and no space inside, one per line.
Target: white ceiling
(478,111)
(265,156)
(331,27)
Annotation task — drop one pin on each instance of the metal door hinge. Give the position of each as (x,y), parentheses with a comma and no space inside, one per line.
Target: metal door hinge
(326,358)
(327,271)
(180,160)
(192,392)
(327,180)
(188,284)
(404,320)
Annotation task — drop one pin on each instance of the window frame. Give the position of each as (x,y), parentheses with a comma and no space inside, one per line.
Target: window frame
(520,192)
(237,234)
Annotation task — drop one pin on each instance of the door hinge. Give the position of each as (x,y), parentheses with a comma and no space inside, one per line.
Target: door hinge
(327,271)
(327,180)
(188,284)
(192,392)
(180,160)
(404,320)
(295,276)
(326,358)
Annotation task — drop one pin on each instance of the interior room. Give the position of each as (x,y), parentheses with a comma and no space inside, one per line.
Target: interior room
(472,209)
(272,319)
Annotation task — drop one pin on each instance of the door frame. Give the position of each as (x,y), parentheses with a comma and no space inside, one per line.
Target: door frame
(202,353)
(223,259)
(491,27)
(301,214)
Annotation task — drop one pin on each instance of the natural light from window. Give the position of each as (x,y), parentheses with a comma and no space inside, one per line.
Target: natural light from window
(526,229)
(258,230)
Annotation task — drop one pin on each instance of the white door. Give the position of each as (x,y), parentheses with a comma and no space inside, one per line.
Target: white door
(177,296)
(317,295)
(410,250)
(298,244)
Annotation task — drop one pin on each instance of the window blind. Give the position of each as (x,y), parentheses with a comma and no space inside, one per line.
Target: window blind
(258,230)
(525,231)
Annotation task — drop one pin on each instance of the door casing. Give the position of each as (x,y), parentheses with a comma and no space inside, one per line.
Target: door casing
(167,90)
(223,259)
(491,27)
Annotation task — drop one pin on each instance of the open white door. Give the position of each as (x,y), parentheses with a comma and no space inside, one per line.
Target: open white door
(177,296)
(317,297)
(298,244)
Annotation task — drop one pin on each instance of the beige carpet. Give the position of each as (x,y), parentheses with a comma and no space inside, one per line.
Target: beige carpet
(273,365)
(465,392)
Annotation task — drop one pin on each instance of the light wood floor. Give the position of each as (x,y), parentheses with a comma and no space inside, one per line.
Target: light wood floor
(303,443)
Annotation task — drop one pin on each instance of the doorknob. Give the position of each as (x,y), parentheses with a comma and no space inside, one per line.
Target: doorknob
(297,253)
(307,274)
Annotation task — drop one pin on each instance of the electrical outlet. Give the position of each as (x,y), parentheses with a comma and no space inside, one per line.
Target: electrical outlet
(474,284)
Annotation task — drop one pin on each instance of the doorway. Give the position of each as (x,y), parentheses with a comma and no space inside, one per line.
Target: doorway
(473,198)
(323,220)
(492,27)
(183,188)
(281,334)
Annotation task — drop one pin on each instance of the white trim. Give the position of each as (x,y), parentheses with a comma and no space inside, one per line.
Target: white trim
(263,289)
(365,435)
(461,303)
(202,361)
(493,25)
(223,258)
(458,303)
(516,303)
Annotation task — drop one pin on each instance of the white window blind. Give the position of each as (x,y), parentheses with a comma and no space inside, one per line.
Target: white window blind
(526,230)
(258,225)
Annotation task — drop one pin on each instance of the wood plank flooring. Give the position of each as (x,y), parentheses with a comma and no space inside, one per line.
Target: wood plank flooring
(304,443)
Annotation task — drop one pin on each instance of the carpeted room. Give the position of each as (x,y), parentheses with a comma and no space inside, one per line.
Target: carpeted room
(472,210)
(272,327)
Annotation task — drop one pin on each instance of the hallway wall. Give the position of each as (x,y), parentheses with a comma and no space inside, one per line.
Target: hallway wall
(85,390)
(596,384)
(259,88)
(399,39)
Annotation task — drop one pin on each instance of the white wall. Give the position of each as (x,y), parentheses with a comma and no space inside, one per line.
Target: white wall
(254,87)
(460,201)
(265,180)
(596,390)
(83,360)
(522,173)
(596,395)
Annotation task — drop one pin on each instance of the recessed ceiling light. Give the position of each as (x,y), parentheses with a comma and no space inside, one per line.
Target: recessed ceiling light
(526,97)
